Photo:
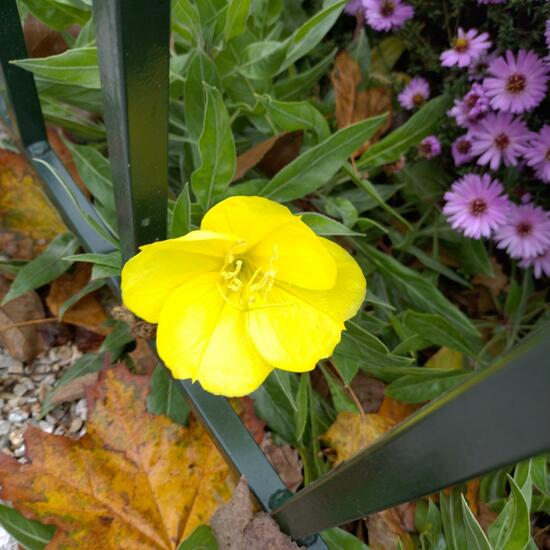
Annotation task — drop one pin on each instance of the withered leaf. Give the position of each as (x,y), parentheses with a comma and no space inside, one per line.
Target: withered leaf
(286,461)
(135,480)
(386,529)
(345,77)
(247,160)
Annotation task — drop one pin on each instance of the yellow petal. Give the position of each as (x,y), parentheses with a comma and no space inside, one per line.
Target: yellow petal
(251,218)
(203,337)
(150,277)
(299,326)
(297,255)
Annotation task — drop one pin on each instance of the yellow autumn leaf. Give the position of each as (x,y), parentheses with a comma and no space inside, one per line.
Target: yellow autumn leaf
(135,480)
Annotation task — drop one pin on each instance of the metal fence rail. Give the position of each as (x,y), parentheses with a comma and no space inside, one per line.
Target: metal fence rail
(482,425)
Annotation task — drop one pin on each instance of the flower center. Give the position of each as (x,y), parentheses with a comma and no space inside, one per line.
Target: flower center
(502,141)
(426,149)
(461,45)
(418,99)
(478,206)
(471,101)
(242,283)
(516,84)
(464,147)
(387,8)
(524,229)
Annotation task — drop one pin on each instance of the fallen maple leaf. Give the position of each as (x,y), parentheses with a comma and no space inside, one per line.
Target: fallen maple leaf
(135,480)
(87,312)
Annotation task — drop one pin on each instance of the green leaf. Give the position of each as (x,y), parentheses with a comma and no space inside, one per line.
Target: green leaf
(77,123)
(437,330)
(340,399)
(237,15)
(90,287)
(202,538)
(417,389)
(77,67)
(312,169)
(110,259)
(217,151)
(30,534)
(386,54)
(415,289)
(262,59)
(302,403)
(511,530)
(398,142)
(452,519)
(56,15)
(181,216)
(325,226)
(338,539)
(475,537)
(44,268)
(312,32)
(186,22)
(117,340)
(165,398)
(87,363)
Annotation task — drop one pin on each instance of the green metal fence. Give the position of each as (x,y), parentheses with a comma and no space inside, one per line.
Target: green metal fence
(484,424)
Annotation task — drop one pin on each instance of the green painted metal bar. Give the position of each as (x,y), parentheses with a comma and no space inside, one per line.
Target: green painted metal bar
(23,103)
(133,49)
(486,423)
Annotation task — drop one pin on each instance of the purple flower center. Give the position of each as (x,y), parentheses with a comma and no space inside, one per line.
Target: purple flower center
(478,206)
(418,99)
(426,148)
(524,229)
(387,8)
(464,147)
(471,101)
(516,84)
(461,45)
(502,141)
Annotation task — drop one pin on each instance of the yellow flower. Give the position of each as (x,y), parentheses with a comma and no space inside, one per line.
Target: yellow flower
(254,289)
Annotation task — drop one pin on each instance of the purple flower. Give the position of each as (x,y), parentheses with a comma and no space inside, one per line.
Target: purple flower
(429,147)
(516,84)
(537,154)
(467,48)
(353,7)
(540,264)
(499,137)
(462,150)
(526,233)
(385,15)
(476,205)
(471,108)
(480,2)
(415,93)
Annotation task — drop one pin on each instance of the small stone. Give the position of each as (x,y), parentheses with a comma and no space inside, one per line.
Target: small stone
(14,402)
(81,409)
(20,389)
(76,424)
(16,367)
(19,452)
(49,379)
(6,451)
(43,389)
(51,419)
(16,438)
(18,416)
(45,427)
(5,427)
(60,430)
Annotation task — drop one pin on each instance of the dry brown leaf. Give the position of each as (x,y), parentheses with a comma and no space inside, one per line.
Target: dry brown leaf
(135,480)
(247,160)
(23,343)
(87,312)
(75,389)
(345,77)
(496,284)
(472,495)
(369,391)
(27,219)
(286,461)
(143,357)
(41,40)
(352,432)
(254,425)
(386,529)
(396,411)
(284,151)
(263,533)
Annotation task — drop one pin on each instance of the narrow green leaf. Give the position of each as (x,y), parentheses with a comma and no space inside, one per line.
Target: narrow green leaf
(202,538)
(165,398)
(78,67)
(262,59)
(340,399)
(325,226)
(475,537)
(32,535)
(92,286)
(338,539)
(181,216)
(398,142)
(111,259)
(452,519)
(312,169)
(56,15)
(217,151)
(302,403)
(186,22)
(44,268)
(117,340)
(237,15)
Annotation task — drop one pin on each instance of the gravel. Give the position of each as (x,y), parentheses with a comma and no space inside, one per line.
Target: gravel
(22,391)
